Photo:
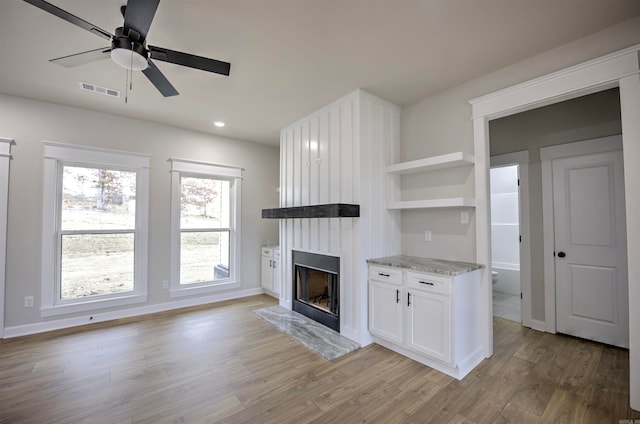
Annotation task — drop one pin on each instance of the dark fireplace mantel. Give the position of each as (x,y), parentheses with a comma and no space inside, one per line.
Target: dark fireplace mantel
(332,210)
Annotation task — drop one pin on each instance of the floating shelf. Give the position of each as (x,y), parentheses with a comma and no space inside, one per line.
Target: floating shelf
(452,202)
(450,160)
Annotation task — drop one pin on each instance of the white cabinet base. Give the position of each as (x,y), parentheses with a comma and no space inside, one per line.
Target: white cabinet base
(270,271)
(429,317)
(459,372)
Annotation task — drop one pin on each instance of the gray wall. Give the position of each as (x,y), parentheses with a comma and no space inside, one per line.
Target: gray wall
(442,124)
(30,122)
(597,115)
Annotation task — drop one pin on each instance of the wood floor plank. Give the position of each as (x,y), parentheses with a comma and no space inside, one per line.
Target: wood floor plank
(512,414)
(565,407)
(219,363)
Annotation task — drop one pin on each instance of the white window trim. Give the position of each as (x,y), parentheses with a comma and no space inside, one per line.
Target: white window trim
(181,167)
(55,156)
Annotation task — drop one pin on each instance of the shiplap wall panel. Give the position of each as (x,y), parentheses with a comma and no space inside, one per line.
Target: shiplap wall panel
(323,179)
(346,141)
(323,154)
(338,155)
(335,174)
(314,180)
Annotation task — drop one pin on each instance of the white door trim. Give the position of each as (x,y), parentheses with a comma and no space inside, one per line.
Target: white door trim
(522,160)
(548,154)
(620,69)
(5,158)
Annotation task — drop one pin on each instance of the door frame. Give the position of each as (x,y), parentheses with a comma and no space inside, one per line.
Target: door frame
(547,155)
(619,69)
(521,159)
(5,158)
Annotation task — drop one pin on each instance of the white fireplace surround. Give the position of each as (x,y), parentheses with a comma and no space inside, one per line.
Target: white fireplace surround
(338,155)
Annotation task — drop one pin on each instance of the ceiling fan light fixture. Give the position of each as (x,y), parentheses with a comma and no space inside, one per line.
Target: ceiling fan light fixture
(128,53)
(129,59)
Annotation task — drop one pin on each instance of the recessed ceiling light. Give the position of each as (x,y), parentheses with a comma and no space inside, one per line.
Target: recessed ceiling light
(219,124)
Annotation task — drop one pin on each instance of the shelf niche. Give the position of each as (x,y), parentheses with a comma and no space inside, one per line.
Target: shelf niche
(434,163)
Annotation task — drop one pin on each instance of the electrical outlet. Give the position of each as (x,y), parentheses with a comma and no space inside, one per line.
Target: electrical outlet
(28,301)
(464,217)
(427,235)
(165,284)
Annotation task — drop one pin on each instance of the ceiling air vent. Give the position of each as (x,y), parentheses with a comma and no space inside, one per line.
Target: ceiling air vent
(100,90)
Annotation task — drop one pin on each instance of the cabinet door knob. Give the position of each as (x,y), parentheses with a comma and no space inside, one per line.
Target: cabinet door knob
(397,296)
(383,274)
(428,283)
(408,299)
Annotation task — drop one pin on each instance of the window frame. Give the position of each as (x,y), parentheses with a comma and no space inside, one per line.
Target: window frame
(56,156)
(187,168)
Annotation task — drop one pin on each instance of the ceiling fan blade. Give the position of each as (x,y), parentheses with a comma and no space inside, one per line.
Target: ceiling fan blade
(190,60)
(139,14)
(83,58)
(158,79)
(63,14)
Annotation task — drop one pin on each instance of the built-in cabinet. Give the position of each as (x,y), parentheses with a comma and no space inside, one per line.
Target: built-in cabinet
(430,164)
(270,270)
(386,305)
(431,318)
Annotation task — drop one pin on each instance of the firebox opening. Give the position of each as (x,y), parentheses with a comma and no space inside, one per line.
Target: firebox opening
(316,287)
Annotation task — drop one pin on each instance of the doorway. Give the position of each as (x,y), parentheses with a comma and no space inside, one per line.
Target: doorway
(505,242)
(516,260)
(618,69)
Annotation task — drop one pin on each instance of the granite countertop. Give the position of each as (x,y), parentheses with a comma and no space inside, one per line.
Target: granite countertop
(435,266)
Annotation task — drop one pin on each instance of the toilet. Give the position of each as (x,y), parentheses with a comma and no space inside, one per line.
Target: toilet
(494,277)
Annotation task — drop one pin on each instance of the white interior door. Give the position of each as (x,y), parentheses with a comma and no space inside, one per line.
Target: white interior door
(591,247)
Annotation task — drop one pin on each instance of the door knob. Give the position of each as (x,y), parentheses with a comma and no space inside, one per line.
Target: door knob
(561,254)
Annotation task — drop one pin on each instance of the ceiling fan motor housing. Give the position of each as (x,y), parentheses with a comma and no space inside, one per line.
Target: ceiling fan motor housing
(127,52)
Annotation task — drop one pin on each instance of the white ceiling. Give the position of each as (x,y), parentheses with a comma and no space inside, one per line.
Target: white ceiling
(288,57)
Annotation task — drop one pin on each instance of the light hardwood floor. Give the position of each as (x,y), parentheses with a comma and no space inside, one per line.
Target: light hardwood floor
(220,363)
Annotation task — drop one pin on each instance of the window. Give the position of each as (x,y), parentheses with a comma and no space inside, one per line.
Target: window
(94,228)
(205,230)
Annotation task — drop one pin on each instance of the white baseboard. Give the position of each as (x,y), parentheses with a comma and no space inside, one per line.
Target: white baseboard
(41,327)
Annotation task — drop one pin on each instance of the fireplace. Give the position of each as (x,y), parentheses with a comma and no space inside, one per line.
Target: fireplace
(316,287)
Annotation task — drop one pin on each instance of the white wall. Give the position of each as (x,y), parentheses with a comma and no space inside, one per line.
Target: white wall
(30,122)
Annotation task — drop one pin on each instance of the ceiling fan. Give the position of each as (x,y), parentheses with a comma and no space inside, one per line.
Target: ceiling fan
(129,47)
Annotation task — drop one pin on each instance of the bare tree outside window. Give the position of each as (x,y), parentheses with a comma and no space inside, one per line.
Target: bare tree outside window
(204,225)
(97,229)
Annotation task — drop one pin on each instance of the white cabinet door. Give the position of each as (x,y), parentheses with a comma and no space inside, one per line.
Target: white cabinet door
(385,311)
(267,273)
(276,278)
(429,324)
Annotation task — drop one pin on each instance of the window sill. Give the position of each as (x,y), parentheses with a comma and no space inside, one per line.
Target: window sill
(202,289)
(91,305)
